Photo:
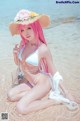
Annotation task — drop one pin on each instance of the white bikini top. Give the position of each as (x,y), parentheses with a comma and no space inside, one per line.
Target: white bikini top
(32,59)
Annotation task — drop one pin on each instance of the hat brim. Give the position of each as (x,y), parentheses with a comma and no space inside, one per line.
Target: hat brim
(43,19)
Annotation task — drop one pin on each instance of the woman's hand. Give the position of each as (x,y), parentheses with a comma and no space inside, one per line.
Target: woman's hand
(16,49)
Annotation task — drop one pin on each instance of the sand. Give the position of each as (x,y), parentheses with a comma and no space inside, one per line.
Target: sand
(64,43)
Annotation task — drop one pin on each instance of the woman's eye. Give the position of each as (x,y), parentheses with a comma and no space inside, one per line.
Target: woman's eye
(22,30)
(29,27)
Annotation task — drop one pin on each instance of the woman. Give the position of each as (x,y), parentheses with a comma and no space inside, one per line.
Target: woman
(35,61)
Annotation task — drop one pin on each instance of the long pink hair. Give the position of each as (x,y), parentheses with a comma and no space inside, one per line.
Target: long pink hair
(39,37)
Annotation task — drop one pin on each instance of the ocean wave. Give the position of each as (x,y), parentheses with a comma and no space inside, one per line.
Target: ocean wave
(65,20)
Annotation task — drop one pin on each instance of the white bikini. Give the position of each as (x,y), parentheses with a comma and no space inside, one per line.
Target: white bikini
(32,59)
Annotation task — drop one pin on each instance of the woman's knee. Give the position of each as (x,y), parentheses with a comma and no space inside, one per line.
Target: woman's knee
(20,107)
(10,96)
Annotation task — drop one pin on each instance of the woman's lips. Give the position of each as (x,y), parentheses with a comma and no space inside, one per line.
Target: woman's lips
(27,36)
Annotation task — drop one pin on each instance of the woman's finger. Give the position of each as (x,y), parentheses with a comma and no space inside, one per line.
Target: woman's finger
(17,46)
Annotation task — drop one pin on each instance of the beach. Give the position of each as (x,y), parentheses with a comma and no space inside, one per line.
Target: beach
(63,39)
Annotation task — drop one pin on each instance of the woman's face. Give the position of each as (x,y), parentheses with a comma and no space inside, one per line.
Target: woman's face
(28,33)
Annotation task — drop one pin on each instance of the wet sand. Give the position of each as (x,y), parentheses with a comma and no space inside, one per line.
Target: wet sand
(64,43)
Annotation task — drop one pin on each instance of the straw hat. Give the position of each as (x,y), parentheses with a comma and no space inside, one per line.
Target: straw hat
(27,17)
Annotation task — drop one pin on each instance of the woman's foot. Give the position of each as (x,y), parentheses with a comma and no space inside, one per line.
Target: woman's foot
(73,98)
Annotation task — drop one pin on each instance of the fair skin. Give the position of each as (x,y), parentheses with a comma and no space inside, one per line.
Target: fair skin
(31,99)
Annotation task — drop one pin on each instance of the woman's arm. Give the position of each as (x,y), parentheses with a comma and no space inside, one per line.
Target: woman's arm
(55,75)
(45,53)
(16,50)
(16,58)
(15,54)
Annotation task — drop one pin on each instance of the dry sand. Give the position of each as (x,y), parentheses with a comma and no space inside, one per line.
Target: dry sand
(64,44)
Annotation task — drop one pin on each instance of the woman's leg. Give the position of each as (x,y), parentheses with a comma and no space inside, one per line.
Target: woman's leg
(67,94)
(39,91)
(39,105)
(17,92)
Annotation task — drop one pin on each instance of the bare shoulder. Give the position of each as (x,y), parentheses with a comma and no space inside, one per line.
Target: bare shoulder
(43,49)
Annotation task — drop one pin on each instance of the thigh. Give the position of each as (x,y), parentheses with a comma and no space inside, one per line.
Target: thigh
(40,90)
(19,89)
